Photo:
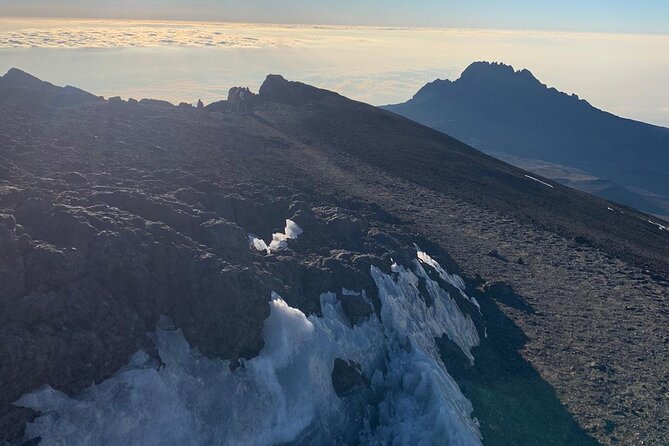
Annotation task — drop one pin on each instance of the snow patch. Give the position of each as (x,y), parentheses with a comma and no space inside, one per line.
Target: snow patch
(659,226)
(539,181)
(258,243)
(279,240)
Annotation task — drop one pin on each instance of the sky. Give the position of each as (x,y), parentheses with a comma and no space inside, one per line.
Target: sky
(619,16)
(183,61)
(612,53)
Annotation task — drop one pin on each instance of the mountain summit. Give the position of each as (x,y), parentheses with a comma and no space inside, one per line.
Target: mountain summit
(512,115)
(276,88)
(21,86)
(482,75)
(20,79)
(311,270)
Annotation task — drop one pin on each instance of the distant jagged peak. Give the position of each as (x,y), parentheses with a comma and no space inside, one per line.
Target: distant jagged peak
(484,74)
(483,67)
(483,70)
(276,88)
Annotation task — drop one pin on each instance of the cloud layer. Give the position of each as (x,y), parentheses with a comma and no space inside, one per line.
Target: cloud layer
(624,74)
(138,35)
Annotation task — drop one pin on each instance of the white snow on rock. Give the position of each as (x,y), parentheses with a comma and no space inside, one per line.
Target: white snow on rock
(279,240)
(539,181)
(285,394)
(258,243)
(659,226)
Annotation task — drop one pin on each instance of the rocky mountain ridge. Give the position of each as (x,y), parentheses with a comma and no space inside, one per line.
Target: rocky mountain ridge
(116,213)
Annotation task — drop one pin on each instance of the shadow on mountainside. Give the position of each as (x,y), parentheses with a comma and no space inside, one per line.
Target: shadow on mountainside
(513,404)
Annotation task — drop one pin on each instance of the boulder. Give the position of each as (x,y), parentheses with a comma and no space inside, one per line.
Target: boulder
(226,239)
(346,376)
(355,308)
(500,289)
(156,102)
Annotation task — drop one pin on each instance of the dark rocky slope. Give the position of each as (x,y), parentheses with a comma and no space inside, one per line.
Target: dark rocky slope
(513,116)
(115,213)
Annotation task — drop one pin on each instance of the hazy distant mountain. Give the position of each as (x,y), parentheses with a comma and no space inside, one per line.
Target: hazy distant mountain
(513,116)
(26,88)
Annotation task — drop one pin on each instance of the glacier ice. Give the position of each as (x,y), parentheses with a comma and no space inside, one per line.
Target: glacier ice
(453,279)
(285,394)
(195,400)
(279,240)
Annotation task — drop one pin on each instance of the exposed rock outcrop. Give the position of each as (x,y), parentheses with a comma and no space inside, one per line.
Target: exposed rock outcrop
(277,89)
(346,376)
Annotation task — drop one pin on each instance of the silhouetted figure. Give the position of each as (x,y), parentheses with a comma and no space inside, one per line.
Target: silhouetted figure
(241,99)
(200,104)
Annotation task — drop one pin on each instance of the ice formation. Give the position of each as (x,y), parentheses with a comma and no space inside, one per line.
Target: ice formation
(453,279)
(279,240)
(285,394)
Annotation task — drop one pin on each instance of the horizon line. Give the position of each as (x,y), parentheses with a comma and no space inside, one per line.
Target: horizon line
(335,25)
